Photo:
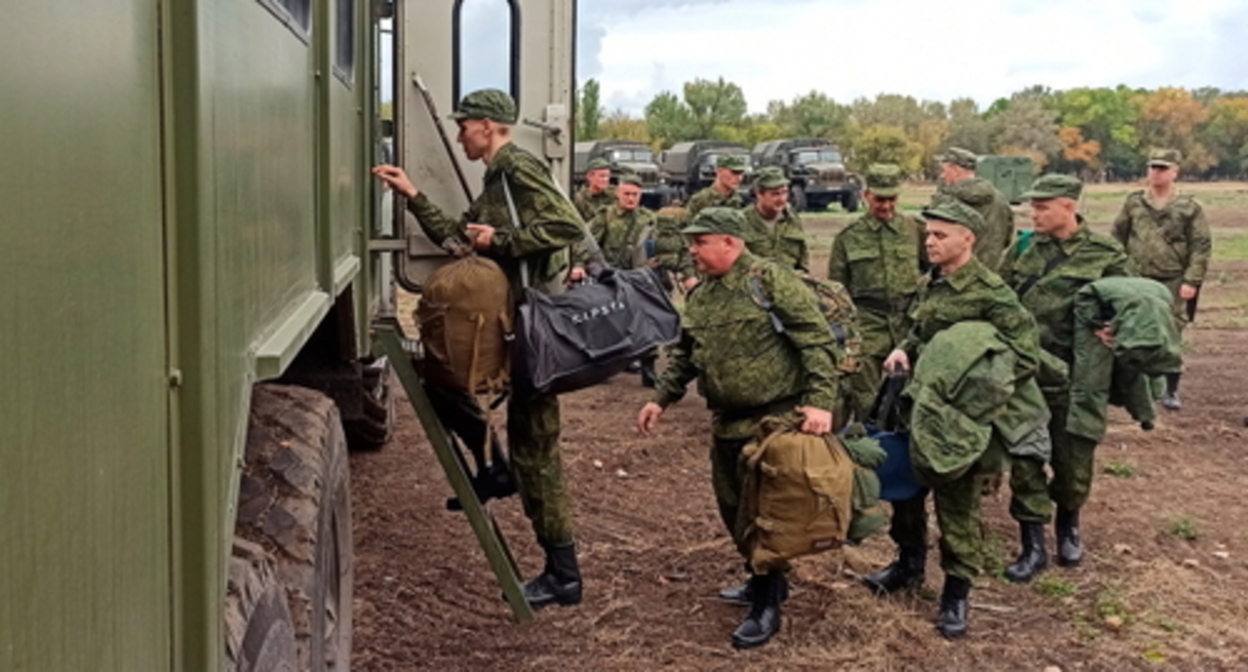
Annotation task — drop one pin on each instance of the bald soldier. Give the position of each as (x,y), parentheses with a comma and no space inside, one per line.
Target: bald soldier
(729,171)
(774,230)
(879,258)
(1046,271)
(1167,237)
(597,192)
(958,181)
(547,225)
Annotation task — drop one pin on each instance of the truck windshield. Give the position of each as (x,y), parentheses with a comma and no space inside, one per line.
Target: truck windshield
(712,159)
(632,156)
(816,156)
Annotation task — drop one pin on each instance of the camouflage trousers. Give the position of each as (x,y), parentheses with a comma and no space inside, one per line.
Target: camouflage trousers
(861,387)
(957,514)
(533,443)
(727,479)
(1032,493)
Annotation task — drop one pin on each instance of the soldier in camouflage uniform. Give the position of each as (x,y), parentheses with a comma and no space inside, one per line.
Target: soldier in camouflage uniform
(959,288)
(729,170)
(1167,237)
(549,224)
(774,229)
(958,181)
(747,370)
(671,254)
(597,192)
(879,258)
(1046,271)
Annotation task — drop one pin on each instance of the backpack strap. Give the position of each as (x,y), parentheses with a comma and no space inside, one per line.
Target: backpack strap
(755,282)
(1060,258)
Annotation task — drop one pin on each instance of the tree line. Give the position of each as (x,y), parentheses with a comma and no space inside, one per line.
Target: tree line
(1098,133)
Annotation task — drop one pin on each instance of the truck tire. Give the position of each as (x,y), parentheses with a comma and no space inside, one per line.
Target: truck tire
(294,502)
(851,201)
(373,429)
(798,197)
(259,634)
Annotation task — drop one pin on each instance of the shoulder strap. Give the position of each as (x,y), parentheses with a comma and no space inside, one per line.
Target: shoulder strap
(595,252)
(1060,258)
(759,294)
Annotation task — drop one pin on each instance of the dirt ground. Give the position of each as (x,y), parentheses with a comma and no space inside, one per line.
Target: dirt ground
(1164,584)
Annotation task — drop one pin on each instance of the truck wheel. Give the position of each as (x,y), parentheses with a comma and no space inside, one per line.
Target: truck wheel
(294,502)
(372,430)
(798,197)
(259,635)
(851,200)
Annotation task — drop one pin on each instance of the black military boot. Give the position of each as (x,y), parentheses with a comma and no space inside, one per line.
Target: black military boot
(1069,547)
(763,621)
(560,582)
(1171,400)
(491,482)
(954,607)
(743,595)
(1033,558)
(648,376)
(908,571)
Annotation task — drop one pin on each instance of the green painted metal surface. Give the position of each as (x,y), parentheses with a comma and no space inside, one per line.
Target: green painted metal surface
(84,535)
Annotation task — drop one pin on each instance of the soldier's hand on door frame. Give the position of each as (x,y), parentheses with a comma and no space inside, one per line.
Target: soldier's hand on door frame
(817,422)
(396,179)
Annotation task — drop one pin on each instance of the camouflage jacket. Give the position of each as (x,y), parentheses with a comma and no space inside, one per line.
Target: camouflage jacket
(671,250)
(589,204)
(1047,286)
(622,235)
(994,207)
(742,362)
(972,293)
(783,241)
(549,223)
(1165,242)
(880,265)
(709,197)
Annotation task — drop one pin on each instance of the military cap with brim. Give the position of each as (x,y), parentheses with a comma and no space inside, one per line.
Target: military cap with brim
(597,164)
(770,178)
(727,221)
(629,178)
(733,162)
(489,104)
(960,157)
(956,212)
(884,179)
(1054,186)
(1168,158)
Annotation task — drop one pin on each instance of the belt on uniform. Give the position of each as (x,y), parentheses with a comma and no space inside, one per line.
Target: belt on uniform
(779,407)
(881,306)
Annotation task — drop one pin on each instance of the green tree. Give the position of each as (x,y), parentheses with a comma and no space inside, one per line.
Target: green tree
(967,127)
(1170,117)
(886,144)
(1027,128)
(1109,117)
(620,126)
(813,115)
(712,104)
(588,111)
(668,120)
(1226,135)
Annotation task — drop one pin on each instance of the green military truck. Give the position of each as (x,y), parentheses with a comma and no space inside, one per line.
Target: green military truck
(624,156)
(189,244)
(1011,174)
(689,167)
(816,172)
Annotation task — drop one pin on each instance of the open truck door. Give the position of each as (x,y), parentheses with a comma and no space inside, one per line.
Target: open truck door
(447,49)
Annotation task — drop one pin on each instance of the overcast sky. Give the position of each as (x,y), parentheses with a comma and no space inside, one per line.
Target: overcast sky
(936,50)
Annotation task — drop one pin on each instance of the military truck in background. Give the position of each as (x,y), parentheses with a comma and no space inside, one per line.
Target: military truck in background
(624,156)
(816,172)
(1011,174)
(689,167)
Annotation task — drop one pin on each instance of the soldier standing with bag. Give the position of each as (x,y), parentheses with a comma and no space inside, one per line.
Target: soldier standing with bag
(1061,257)
(548,225)
(1166,236)
(775,229)
(753,356)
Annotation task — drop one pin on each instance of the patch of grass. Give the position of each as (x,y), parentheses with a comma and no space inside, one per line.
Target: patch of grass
(1184,527)
(1119,469)
(1230,245)
(1154,656)
(1170,625)
(1108,602)
(1053,586)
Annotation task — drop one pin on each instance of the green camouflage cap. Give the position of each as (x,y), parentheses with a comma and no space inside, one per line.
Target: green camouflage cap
(728,221)
(1054,186)
(629,178)
(884,179)
(1169,158)
(770,178)
(597,164)
(957,212)
(489,104)
(960,157)
(733,162)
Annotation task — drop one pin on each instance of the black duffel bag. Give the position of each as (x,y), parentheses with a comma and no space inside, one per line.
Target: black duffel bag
(591,332)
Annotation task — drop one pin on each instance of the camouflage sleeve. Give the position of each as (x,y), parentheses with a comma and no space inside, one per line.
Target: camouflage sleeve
(838,261)
(806,327)
(1019,328)
(1008,262)
(1122,223)
(550,220)
(1199,247)
(679,372)
(1120,266)
(804,261)
(435,223)
(580,251)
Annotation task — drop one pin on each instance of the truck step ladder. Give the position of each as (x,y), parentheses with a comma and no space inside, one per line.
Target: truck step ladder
(502,562)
